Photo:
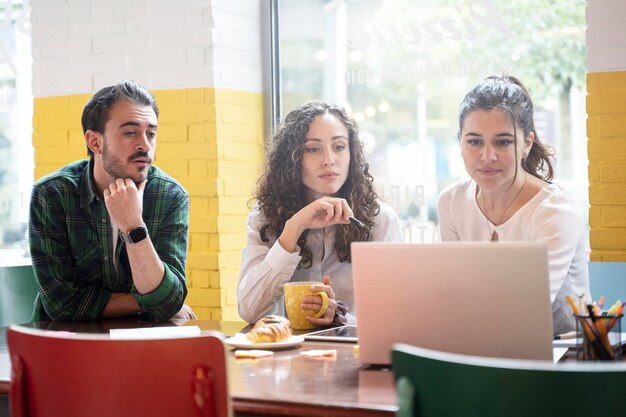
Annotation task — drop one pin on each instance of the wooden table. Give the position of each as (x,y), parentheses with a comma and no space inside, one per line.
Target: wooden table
(284,384)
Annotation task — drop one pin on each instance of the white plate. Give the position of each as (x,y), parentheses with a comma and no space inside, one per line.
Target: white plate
(239,341)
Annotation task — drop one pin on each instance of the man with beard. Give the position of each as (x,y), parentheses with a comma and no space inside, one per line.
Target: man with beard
(108,235)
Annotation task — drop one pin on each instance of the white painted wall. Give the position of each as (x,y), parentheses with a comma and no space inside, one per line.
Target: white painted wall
(80,46)
(606,35)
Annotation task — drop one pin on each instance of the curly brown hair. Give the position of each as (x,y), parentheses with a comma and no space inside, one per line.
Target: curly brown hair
(508,94)
(280,192)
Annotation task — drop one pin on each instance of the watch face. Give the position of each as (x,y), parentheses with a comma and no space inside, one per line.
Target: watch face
(138,234)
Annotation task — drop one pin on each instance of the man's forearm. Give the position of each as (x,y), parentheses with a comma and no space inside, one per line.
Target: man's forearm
(146,266)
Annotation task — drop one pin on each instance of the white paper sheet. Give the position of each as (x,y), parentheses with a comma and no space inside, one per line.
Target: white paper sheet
(155,332)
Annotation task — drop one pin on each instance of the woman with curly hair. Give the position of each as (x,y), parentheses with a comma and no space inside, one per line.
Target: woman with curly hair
(315,178)
(509,196)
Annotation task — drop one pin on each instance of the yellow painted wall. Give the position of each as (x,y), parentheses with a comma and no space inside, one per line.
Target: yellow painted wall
(606,130)
(209,139)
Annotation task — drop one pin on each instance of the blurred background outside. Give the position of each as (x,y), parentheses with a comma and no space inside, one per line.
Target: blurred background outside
(401,68)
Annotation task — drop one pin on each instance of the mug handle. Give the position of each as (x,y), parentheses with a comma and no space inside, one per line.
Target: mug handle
(324,303)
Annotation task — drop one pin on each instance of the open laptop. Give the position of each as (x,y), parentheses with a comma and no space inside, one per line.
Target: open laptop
(476,298)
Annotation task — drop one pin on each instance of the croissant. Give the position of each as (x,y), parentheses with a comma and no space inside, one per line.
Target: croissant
(270,329)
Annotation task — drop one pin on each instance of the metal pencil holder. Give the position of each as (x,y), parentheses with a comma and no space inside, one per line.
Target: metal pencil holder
(599,337)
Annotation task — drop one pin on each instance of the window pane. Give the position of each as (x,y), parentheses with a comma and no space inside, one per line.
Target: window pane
(402,68)
(16,153)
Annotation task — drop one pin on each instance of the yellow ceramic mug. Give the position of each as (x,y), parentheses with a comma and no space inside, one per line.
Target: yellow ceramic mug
(294,292)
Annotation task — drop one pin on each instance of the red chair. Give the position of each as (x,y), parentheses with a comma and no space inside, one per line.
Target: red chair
(60,374)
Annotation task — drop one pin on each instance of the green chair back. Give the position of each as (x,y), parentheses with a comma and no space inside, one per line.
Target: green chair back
(18,289)
(431,383)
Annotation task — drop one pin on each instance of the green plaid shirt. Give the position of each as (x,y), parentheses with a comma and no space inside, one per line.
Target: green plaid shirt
(72,249)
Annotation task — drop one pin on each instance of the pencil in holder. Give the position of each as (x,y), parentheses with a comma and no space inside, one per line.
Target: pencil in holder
(601,337)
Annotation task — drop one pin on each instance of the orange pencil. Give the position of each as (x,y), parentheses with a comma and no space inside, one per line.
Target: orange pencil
(583,323)
(604,335)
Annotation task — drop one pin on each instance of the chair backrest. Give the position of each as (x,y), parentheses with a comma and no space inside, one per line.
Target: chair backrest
(18,289)
(431,383)
(61,374)
(608,279)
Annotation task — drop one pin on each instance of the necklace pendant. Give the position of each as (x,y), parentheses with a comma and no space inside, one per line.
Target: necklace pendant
(494,236)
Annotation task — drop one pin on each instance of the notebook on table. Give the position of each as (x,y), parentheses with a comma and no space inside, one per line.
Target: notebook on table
(475,298)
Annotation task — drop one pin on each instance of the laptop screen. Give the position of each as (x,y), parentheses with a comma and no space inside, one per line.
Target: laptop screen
(475,298)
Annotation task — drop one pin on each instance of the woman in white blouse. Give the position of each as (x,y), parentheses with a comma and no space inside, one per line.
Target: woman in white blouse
(315,178)
(509,196)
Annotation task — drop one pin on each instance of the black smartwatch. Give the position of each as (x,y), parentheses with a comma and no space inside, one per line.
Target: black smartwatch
(136,235)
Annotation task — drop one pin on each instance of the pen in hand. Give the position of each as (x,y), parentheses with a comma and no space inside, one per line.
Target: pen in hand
(356,221)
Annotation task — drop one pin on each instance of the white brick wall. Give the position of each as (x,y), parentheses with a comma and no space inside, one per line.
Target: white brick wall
(80,46)
(606,35)
(112,8)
